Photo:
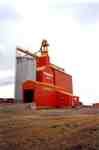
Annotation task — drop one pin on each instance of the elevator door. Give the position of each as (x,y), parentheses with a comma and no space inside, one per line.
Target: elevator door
(28,96)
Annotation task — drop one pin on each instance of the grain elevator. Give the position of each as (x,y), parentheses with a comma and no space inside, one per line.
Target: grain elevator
(41,82)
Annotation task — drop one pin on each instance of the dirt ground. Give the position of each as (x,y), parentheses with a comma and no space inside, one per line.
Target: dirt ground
(24,128)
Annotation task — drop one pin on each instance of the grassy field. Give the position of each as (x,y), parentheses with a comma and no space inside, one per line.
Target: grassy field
(22,128)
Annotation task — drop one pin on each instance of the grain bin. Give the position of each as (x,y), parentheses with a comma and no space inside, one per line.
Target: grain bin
(25,70)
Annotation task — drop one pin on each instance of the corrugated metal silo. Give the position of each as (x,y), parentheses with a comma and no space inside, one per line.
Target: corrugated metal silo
(25,70)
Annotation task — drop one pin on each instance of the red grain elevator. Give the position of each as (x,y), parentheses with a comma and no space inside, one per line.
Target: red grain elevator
(52,87)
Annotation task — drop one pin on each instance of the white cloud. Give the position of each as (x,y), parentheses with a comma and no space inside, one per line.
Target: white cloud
(7,91)
(5,73)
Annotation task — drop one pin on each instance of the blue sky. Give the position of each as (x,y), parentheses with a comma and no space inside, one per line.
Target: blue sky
(72,29)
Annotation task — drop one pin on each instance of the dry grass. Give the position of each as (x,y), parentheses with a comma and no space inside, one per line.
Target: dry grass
(23,129)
